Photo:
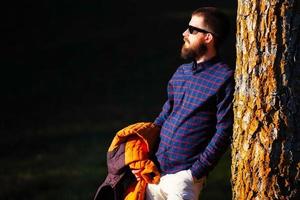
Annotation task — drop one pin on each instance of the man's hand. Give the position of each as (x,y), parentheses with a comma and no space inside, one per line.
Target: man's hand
(137,173)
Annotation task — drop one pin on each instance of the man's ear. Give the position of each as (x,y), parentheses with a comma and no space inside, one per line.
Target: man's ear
(209,38)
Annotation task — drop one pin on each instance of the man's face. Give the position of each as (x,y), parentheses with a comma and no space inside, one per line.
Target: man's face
(194,42)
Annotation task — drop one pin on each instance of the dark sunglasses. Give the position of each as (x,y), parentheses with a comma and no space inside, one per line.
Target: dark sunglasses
(194,30)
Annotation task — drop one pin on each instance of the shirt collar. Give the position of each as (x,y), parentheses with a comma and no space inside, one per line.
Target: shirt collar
(194,67)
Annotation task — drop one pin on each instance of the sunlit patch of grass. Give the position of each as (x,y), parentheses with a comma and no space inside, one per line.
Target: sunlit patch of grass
(218,186)
(55,166)
(58,164)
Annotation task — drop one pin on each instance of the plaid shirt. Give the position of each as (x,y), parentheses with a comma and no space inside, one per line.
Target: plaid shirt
(196,120)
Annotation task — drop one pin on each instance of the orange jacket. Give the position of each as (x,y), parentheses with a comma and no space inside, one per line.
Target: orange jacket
(131,148)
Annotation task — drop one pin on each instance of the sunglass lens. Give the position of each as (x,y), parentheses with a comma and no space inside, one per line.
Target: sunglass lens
(191,30)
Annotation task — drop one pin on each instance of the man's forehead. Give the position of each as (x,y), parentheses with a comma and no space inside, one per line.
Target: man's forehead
(197,20)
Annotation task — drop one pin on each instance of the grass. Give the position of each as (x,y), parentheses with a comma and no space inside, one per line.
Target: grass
(55,166)
(58,164)
(218,183)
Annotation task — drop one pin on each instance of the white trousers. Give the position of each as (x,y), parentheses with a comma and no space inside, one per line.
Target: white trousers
(178,186)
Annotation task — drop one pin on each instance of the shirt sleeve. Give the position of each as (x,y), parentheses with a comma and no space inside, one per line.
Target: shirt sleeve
(222,137)
(167,107)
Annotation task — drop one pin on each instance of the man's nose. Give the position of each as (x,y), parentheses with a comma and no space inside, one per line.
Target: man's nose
(185,32)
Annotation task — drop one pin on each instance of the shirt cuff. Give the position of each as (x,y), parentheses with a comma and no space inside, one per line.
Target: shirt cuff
(198,172)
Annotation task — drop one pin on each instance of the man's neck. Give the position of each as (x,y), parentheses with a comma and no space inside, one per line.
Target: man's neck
(209,55)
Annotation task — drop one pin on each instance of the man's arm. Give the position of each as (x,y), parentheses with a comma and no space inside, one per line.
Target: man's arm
(222,137)
(167,108)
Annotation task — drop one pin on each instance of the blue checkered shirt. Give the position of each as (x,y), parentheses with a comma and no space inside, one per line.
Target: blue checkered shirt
(196,120)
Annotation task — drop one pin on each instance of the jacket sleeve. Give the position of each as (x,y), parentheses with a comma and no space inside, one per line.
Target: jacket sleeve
(222,137)
(167,108)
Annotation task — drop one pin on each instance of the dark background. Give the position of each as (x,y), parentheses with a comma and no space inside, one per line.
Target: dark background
(75,72)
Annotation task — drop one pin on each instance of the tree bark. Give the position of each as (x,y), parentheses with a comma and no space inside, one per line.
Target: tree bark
(266,133)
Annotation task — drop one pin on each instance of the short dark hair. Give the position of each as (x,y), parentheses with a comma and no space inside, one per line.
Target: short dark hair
(217,22)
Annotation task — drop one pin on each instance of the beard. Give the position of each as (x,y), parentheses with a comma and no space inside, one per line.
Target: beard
(193,52)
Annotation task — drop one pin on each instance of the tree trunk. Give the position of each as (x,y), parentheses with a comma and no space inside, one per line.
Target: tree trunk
(266,138)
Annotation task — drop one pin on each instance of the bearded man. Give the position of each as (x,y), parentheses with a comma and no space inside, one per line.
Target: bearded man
(196,120)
